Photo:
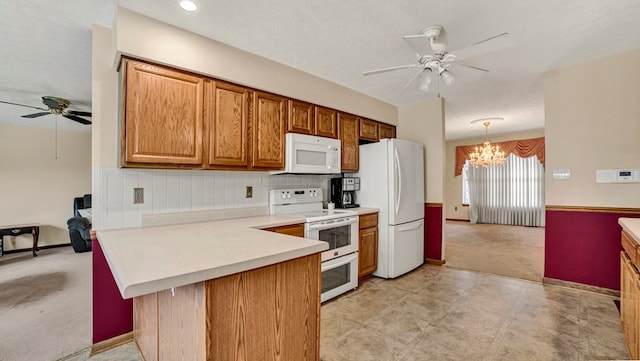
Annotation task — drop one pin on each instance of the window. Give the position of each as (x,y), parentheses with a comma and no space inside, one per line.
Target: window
(509,194)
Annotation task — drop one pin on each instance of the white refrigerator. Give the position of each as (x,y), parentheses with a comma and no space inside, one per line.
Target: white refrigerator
(392,179)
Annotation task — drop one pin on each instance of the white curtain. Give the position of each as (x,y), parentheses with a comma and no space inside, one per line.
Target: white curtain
(509,194)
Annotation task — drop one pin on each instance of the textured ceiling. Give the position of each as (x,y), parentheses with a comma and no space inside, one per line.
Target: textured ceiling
(46,47)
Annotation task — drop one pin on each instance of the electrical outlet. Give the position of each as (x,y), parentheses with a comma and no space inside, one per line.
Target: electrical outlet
(138,195)
(249,192)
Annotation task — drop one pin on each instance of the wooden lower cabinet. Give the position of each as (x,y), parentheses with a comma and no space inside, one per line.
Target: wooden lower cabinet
(368,246)
(292,229)
(630,295)
(270,313)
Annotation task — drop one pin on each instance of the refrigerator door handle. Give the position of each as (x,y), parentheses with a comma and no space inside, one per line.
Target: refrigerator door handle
(399,182)
(407,229)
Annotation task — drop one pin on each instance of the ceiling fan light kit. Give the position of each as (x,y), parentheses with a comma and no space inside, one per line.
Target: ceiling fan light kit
(432,56)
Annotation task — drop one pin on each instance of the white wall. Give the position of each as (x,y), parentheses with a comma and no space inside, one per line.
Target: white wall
(592,113)
(424,123)
(453,184)
(37,187)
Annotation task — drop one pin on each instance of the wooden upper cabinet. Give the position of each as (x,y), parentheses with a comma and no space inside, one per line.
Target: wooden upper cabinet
(386,131)
(368,129)
(326,122)
(268,123)
(348,135)
(227,124)
(162,116)
(300,119)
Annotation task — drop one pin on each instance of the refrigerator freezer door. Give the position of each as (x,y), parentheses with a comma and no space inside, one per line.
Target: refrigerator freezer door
(406,181)
(406,247)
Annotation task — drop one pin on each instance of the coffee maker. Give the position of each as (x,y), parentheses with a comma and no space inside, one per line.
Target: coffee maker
(343,191)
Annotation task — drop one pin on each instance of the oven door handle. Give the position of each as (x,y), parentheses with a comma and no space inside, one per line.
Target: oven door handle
(316,227)
(337,262)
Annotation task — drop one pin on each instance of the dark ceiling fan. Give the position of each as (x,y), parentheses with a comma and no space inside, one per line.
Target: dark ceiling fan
(57,106)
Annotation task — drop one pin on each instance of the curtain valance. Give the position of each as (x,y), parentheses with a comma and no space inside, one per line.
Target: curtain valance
(523,148)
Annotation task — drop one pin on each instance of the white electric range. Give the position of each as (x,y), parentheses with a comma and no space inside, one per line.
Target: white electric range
(337,227)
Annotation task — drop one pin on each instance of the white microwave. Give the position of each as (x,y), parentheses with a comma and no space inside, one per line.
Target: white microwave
(311,155)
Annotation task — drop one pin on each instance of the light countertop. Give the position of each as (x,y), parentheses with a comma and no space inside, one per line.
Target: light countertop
(151,259)
(632,226)
(364,210)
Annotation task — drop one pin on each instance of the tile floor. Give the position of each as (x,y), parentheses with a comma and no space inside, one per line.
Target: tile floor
(441,313)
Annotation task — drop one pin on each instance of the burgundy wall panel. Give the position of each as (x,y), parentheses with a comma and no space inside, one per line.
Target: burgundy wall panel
(433,231)
(112,315)
(583,247)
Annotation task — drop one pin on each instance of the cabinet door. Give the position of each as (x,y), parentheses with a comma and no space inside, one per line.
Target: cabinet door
(629,303)
(348,135)
(326,122)
(292,230)
(300,118)
(386,131)
(227,119)
(368,130)
(368,251)
(162,115)
(268,124)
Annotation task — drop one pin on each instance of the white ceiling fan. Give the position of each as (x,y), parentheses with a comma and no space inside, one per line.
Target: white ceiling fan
(434,61)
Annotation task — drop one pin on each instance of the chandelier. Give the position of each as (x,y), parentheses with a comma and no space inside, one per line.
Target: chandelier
(487,155)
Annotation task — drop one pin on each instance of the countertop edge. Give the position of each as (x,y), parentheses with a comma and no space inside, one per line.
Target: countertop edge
(632,226)
(135,290)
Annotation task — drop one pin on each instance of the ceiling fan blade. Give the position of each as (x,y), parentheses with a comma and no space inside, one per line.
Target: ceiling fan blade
(76,112)
(384,70)
(419,43)
(485,46)
(77,119)
(472,67)
(22,105)
(35,115)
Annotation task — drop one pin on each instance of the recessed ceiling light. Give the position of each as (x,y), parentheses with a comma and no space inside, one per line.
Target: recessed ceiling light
(188,5)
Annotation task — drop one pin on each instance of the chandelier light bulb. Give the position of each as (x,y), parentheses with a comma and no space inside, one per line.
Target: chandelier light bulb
(487,155)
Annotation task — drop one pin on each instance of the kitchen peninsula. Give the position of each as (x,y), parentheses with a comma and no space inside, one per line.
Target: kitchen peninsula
(221,290)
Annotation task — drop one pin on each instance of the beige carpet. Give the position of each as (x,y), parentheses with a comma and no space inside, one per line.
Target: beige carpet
(45,304)
(512,251)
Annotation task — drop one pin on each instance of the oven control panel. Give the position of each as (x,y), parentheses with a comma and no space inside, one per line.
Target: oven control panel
(295,196)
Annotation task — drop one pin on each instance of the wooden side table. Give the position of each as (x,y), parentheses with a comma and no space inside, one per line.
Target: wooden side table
(16,230)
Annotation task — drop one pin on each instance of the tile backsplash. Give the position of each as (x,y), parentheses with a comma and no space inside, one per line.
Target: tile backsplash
(168,191)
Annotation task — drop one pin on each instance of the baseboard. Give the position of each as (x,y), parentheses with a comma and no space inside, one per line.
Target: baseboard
(457,220)
(580,286)
(111,343)
(436,262)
